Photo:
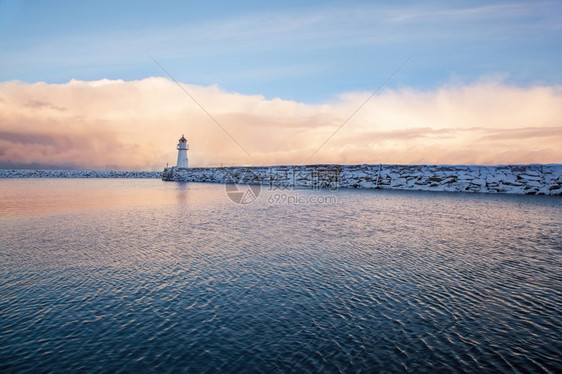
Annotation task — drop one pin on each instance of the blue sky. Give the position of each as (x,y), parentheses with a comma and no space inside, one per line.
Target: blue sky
(302,51)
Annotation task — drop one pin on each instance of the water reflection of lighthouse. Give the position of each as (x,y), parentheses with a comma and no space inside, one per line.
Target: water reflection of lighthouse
(182,153)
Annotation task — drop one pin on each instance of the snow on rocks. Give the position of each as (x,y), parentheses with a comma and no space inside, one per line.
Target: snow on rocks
(513,179)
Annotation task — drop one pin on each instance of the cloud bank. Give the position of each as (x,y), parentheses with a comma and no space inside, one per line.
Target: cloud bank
(115,124)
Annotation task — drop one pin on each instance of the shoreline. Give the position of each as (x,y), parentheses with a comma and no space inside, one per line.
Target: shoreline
(532,179)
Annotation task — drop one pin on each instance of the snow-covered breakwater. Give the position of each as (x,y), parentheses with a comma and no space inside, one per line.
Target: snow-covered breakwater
(514,179)
(24,173)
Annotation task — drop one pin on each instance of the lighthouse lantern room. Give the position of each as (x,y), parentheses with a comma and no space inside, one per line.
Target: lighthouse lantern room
(182,153)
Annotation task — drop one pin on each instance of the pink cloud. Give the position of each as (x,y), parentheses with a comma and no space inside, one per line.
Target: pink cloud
(111,124)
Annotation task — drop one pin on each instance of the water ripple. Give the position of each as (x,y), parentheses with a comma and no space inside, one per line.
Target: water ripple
(382,281)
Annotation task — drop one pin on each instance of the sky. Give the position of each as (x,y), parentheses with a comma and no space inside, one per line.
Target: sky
(113,85)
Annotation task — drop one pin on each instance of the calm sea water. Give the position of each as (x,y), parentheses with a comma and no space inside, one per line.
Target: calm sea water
(143,275)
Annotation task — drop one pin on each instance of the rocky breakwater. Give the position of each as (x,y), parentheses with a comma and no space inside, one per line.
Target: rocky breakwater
(29,173)
(514,179)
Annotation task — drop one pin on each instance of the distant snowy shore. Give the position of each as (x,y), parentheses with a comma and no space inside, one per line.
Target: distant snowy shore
(512,179)
(24,173)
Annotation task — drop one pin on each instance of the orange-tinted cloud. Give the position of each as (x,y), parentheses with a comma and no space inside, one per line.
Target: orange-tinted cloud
(113,124)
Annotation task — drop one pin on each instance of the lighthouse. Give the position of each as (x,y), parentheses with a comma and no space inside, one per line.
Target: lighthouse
(182,153)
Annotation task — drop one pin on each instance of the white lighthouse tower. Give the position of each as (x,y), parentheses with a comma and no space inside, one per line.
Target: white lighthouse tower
(182,153)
